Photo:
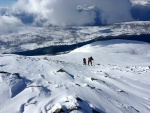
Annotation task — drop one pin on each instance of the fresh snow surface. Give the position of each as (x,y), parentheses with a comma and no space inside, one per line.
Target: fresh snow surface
(118,82)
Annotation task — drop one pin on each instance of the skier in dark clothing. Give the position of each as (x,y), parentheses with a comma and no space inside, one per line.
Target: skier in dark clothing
(90,60)
(84,61)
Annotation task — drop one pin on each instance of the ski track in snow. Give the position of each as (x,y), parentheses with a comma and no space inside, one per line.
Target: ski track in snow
(43,85)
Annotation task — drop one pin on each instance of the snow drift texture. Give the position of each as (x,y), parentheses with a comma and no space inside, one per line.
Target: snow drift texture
(117,83)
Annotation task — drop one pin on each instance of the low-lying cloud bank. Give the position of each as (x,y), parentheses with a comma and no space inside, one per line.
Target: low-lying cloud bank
(65,12)
(9,24)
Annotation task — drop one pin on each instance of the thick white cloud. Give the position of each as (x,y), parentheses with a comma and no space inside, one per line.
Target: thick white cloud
(9,24)
(64,12)
(115,11)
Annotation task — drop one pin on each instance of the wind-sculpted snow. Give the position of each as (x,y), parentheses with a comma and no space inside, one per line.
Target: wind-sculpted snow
(117,82)
(30,38)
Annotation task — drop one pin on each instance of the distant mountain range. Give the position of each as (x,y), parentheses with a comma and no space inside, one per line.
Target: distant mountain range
(30,38)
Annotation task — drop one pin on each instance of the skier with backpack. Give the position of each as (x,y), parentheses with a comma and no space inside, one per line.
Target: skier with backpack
(90,60)
(84,61)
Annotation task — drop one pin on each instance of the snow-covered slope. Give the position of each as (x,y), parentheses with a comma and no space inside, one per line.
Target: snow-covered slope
(29,38)
(117,83)
(120,52)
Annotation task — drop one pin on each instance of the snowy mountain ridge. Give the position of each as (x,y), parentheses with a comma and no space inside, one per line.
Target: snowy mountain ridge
(30,38)
(118,81)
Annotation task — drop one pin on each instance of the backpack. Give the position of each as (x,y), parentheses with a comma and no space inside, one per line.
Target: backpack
(90,59)
(84,60)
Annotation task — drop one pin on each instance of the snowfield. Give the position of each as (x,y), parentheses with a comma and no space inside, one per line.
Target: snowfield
(118,81)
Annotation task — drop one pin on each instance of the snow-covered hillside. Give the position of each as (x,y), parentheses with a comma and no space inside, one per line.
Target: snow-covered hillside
(29,38)
(117,83)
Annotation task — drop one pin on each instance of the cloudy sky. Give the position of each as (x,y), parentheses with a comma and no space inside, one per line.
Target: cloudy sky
(65,12)
(7,2)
